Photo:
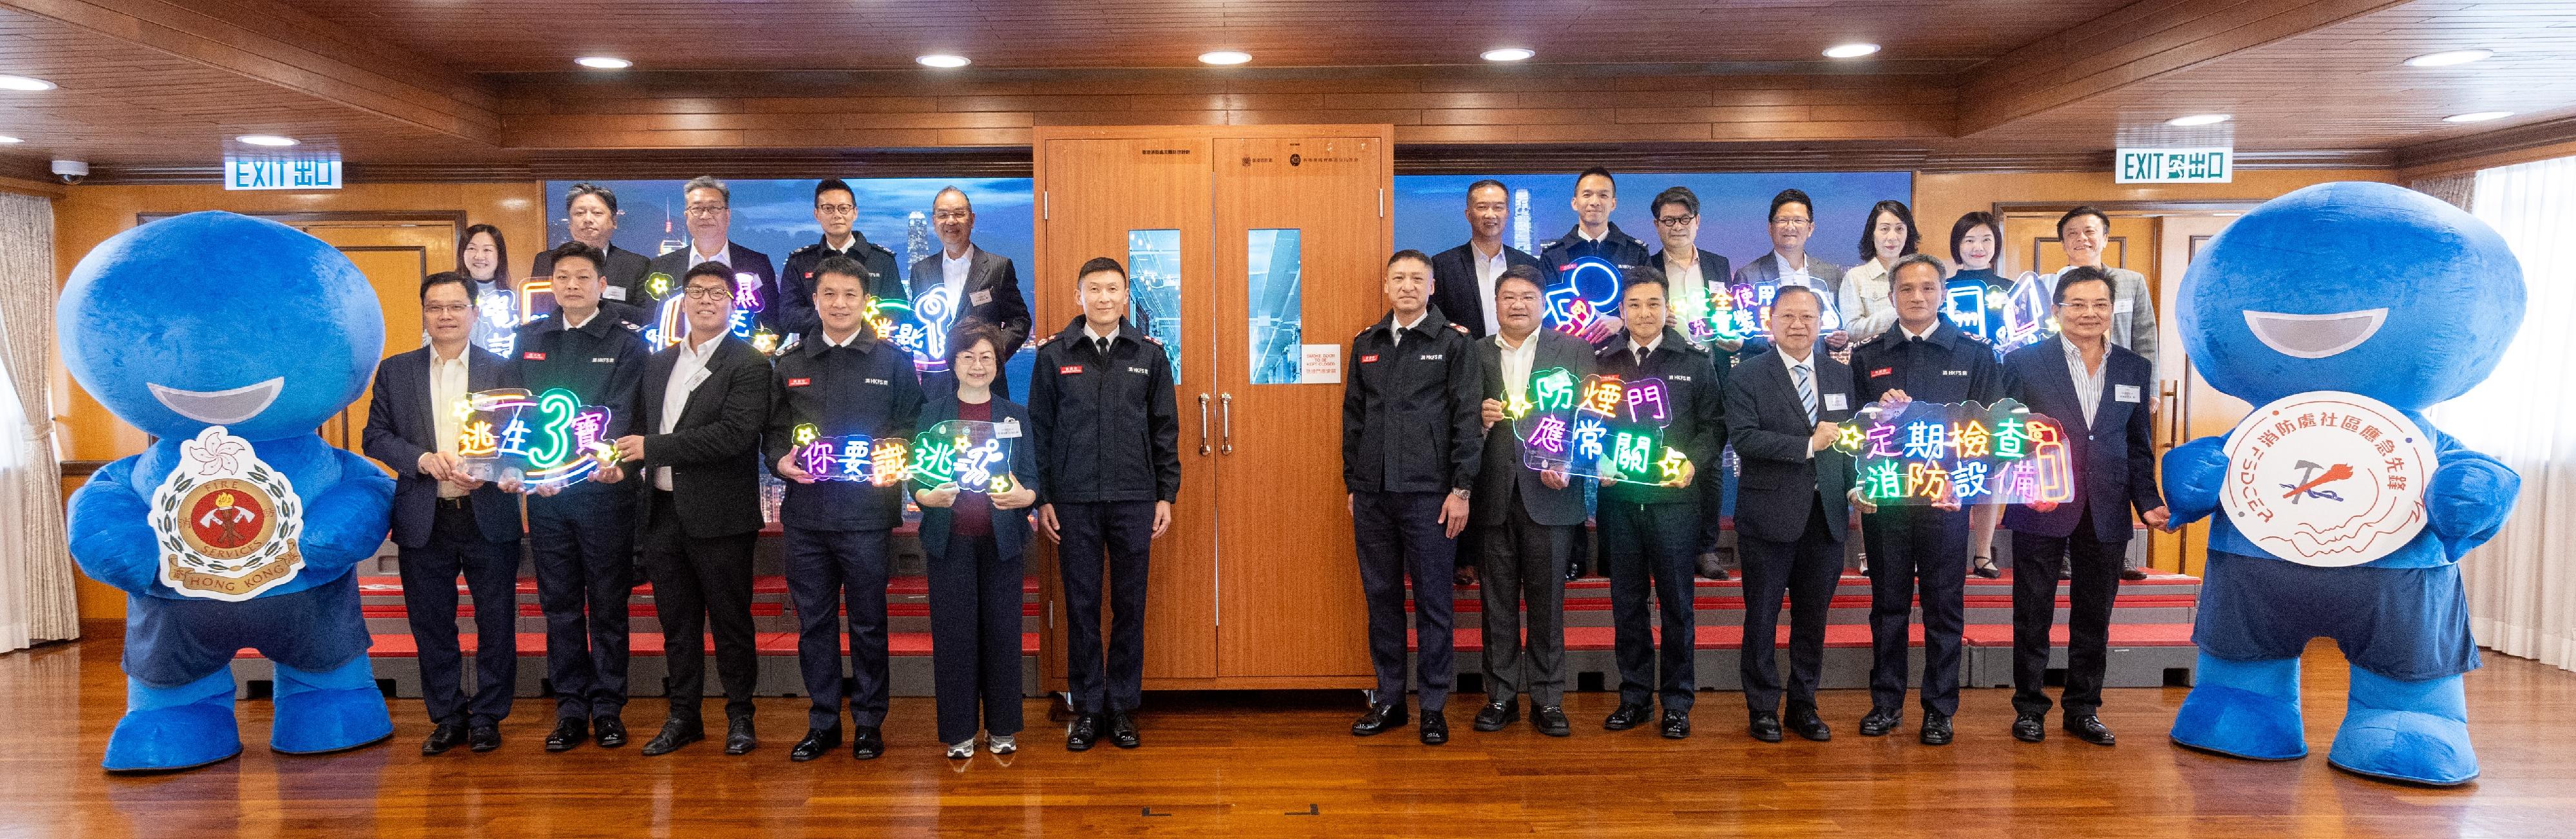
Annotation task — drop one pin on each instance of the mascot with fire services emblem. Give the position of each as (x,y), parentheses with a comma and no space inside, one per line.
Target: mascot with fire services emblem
(229,339)
(2342,513)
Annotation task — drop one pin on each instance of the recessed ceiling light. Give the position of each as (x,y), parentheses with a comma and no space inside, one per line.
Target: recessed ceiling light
(2449,59)
(2198,119)
(602,62)
(24,83)
(942,60)
(6,140)
(1224,57)
(1850,50)
(266,140)
(2480,116)
(1509,54)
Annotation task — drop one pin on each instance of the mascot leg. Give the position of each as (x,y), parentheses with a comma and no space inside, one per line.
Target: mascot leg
(2246,709)
(2406,731)
(175,728)
(329,710)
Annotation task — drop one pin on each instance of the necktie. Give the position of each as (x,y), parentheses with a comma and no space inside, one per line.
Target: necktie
(1101,344)
(1806,392)
(1641,357)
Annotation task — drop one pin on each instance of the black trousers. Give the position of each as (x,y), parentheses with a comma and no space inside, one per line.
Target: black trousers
(1807,570)
(1523,567)
(838,578)
(584,546)
(1916,551)
(702,587)
(1653,549)
(491,571)
(1400,535)
(975,596)
(2095,566)
(1122,531)
(1712,506)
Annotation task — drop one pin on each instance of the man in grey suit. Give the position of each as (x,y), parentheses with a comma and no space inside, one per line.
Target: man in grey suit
(982,286)
(1792,507)
(1793,219)
(1528,517)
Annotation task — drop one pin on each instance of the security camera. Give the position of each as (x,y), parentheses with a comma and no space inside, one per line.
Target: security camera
(71,171)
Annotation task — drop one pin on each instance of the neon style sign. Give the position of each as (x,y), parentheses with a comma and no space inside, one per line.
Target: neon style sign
(919,327)
(971,455)
(1928,452)
(671,324)
(1749,312)
(548,440)
(1602,427)
(1588,291)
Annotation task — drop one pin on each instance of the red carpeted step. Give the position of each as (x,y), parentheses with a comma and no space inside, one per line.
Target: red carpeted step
(759,609)
(649,644)
(1603,638)
(1849,601)
(2122,635)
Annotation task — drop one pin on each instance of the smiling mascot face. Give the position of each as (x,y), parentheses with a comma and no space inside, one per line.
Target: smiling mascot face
(182,323)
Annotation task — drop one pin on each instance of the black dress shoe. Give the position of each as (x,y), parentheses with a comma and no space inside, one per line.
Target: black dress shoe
(2133,574)
(739,738)
(675,733)
(443,738)
(1676,725)
(1985,569)
(866,743)
(1810,726)
(1766,726)
(817,742)
(483,736)
(1880,721)
(2027,728)
(1378,719)
(569,732)
(1936,729)
(2089,728)
(1573,570)
(1498,714)
(1435,727)
(1551,721)
(1626,717)
(1712,567)
(610,732)
(1122,730)
(1084,731)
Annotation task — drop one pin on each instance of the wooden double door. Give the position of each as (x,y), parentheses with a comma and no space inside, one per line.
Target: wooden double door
(1246,248)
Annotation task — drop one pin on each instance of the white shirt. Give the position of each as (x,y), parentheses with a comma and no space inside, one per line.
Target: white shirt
(1787,271)
(1579,234)
(846,340)
(952,273)
(568,324)
(1489,273)
(1690,288)
(1814,385)
(2088,383)
(1516,365)
(1396,330)
(1640,351)
(1926,333)
(446,388)
(723,255)
(1866,306)
(687,371)
(1095,336)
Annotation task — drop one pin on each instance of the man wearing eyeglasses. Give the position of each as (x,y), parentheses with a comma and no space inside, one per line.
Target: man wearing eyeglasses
(1695,277)
(981,285)
(836,208)
(710,218)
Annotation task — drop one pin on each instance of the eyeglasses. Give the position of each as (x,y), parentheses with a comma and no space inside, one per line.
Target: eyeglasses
(1677,221)
(703,210)
(699,292)
(447,308)
(1792,222)
(951,215)
(836,209)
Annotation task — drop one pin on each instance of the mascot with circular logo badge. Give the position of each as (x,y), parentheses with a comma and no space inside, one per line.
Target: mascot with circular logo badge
(2342,513)
(229,339)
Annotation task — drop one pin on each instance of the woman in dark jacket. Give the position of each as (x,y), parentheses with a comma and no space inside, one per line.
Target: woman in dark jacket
(974,542)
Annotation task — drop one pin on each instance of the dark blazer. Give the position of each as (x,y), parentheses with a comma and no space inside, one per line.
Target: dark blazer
(402,425)
(1502,468)
(676,264)
(1714,270)
(625,271)
(1453,286)
(991,276)
(1010,527)
(1769,428)
(714,449)
(2114,457)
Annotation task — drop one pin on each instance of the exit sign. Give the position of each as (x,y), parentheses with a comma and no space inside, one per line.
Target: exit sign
(2176,166)
(313,172)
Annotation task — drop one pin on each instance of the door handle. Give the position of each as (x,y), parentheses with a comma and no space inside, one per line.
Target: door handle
(2170,402)
(1203,425)
(1225,421)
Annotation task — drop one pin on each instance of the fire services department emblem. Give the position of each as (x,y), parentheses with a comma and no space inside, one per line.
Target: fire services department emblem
(2328,478)
(228,523)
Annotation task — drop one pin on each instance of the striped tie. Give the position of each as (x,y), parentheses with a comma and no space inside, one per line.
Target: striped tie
(1806,391)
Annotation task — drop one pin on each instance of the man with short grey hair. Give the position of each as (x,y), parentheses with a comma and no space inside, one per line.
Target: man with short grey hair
(709,215)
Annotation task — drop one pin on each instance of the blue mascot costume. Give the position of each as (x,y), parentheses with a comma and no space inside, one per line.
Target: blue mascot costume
(2379,291)
(230,339)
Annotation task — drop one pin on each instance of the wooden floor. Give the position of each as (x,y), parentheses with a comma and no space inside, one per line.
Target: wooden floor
(1285,764)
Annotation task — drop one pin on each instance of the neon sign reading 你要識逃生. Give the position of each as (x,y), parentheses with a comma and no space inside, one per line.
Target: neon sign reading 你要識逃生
(547,440)
(856,458)
(1600,427)
(971,455)
(1930,452)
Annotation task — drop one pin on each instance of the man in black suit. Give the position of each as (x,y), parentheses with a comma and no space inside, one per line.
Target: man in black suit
(1529,518)
(2096,390)
(704,403)
(1697,277)
(591,211)
(836,210)
(1465,278)
(981,286)
(710,218)
(1792,507)
(446,521)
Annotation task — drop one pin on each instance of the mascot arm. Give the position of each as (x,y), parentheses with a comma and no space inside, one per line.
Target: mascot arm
(2469,498)
(347,523)
(2195,472)
(110,530)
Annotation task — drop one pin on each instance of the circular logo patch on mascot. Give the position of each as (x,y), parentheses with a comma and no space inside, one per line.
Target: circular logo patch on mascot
(2327,478)
(227,522)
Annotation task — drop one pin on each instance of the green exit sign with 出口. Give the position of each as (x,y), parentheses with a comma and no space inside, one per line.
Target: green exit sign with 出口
(2175,166)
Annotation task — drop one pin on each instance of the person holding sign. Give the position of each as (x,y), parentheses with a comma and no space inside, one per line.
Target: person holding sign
(583,535)
(1919,548)
(844,381)
(1784,410)
(2080,373)
(974,540)
(1596,194)
(1530,517)
(1650,532)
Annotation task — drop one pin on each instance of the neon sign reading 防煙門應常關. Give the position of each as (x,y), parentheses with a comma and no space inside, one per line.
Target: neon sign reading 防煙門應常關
(919,327)
(1600,427)
(1929,452)
(856,458)
(549,439)
(1586,291)
(971,455)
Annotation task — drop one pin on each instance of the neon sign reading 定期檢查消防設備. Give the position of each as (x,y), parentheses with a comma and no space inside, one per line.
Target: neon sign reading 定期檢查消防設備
(1599,427)
(548,440)
(1930,452)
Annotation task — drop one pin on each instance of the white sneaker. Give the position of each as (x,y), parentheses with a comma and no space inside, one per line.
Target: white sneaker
(1003,744)
(962,749)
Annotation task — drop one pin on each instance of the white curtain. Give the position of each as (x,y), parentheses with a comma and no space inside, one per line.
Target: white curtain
(36,599)
(2522,585)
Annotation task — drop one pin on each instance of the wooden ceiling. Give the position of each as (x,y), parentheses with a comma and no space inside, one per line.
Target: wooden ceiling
(469,88)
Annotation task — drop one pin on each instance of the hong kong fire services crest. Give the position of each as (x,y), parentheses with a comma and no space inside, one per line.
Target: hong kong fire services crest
(228,523)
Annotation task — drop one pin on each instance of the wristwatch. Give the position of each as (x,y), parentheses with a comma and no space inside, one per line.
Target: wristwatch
(1461,492)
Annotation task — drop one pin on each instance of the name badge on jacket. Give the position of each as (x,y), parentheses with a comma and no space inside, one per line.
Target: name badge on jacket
(1069,370)
(799,381)
(615,292)
(2124,393)
(980,298)
(1006,429)
(879,382)
(2123,306)
(1837,402)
